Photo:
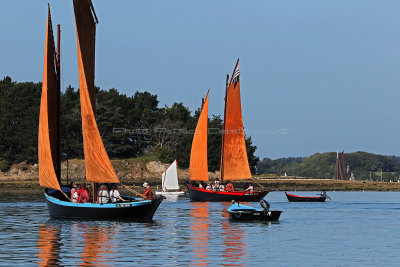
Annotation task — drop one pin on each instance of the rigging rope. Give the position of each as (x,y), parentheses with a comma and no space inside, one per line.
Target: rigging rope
(133,191)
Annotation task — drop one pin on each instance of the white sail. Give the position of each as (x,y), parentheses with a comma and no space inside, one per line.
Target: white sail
(170,178)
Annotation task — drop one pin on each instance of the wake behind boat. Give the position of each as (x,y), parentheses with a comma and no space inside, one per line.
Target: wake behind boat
(169,182)
(97,163)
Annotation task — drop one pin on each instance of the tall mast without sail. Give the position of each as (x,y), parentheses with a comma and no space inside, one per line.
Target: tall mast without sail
(48,119)
(198,166)
(234,163)
(97,163)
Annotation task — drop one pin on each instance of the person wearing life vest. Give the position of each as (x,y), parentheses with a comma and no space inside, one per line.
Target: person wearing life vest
(147,193)
(83,195)
(103,195)
(229,187)
(115,196)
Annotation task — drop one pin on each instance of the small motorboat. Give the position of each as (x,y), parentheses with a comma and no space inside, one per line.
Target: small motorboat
(294,198)
(240,212)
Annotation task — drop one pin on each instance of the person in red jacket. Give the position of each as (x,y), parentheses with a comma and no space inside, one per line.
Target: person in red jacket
(229,187)
(83,195)
(147,193)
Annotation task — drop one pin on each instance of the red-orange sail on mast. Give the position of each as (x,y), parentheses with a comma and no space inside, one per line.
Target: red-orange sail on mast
(198,167)
(47,136)
(235,164)
(97,163)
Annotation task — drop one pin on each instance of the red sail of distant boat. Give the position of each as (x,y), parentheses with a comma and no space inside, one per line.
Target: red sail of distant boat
(234,161)
(340,167)
(198,166)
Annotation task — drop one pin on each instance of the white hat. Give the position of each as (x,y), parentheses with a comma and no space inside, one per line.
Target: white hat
(145,185)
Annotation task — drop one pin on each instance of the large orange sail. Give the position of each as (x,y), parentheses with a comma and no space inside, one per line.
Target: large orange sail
(198,167)
(234,161)
(47,137)
(97,163)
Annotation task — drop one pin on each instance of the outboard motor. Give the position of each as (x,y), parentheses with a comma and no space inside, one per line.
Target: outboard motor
(265,205)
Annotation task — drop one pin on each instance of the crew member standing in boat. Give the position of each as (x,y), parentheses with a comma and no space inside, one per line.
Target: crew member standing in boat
(147,193)
(103,195)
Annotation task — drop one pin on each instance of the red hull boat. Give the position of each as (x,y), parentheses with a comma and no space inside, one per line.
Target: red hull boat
(294,198)
(198,194)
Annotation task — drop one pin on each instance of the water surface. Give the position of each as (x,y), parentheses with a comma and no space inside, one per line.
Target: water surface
(353,229)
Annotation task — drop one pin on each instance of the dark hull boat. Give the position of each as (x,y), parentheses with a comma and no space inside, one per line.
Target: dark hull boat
(99,169)
(198,194)
(133,209)
(240,212)
(294,198)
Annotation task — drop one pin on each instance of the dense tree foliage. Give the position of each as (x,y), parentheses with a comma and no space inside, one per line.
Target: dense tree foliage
(363,165)
(130,126)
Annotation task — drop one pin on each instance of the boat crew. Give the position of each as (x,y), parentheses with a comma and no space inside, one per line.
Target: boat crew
(115,196)
(147,193)
(229,187)
(103,195)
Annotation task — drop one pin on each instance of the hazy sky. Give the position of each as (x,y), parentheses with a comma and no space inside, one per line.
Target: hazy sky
(316,75)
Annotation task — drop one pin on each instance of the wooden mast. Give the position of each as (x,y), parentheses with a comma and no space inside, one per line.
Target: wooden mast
(58,112)
(221,175)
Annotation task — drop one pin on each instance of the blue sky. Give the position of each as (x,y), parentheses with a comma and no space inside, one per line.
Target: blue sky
(316,75)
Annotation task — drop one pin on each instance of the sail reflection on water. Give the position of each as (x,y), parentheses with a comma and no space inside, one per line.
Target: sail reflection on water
(97,244)
(199,232)
(85,243)
(49,245)
(234,247)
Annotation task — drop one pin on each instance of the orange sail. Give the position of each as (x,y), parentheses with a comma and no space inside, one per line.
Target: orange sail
(198,167)
(97,163)
(47,137)
(234,161)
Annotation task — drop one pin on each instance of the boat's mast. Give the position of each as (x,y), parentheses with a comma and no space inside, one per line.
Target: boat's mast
(221,175)
(58,115)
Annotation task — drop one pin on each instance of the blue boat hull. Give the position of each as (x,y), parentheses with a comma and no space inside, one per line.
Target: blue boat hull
(134,210)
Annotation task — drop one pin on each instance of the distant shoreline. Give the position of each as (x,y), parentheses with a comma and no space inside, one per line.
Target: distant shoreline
(266,184)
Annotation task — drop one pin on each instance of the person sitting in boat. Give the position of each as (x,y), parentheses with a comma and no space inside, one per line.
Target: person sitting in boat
(104,197)
(74,192)
(201,185)
(221,187)
(115,195)
(215,186)
(323,194)
(229,187)
(147,193)
(83,195)
(208,187)
(250,187)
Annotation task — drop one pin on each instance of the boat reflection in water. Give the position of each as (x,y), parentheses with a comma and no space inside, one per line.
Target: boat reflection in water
(49,244)
(199,232)
(226,239)
(88,243)
(235,253)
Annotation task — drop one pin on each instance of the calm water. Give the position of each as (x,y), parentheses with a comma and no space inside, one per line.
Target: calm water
(354,229)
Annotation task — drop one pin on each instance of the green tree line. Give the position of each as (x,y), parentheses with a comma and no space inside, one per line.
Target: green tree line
(364,166)
(130,126)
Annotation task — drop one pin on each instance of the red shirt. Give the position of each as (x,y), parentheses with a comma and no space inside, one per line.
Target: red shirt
(83,196)
(148,193)
(229,187)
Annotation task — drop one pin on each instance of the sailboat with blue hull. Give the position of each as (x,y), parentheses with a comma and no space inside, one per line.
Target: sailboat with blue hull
(97,163)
